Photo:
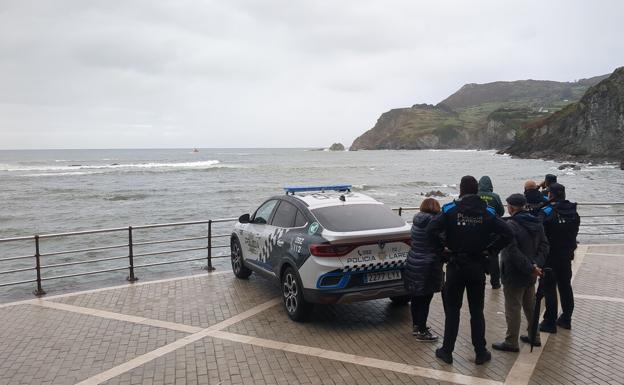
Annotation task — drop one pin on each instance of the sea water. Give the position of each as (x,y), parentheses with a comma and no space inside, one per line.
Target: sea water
(51,191)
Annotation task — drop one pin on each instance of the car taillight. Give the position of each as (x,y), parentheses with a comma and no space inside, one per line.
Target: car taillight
(327,250)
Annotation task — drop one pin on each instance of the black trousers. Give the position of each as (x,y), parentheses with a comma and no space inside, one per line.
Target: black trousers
(420,310)
(471,278)
(494,270)
(562,280)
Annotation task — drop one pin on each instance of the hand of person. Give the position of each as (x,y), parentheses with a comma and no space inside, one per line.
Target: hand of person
(537,272)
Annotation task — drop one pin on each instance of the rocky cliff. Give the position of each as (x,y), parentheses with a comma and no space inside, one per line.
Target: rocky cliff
(484,116)
(592,128)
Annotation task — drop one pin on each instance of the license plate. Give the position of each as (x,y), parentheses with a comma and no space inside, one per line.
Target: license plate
(382,276)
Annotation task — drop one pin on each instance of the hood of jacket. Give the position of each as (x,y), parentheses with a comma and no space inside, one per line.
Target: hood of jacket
(485,184)
(531,223)
(421,220)
(470,203)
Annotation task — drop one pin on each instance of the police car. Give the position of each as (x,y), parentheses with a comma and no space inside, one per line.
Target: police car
(323,244)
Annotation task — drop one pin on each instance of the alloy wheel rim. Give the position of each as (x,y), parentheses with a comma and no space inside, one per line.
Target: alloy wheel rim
(290,293)
(236,259)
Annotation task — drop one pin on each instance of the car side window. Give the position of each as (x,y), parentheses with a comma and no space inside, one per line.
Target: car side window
(285,215)
(300,219)
(263,213)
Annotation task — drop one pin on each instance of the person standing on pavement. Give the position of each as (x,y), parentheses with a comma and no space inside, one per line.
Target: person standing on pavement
(535,199)
(423,275)
(521,263)
(492,199)
(468,228)
(561,224)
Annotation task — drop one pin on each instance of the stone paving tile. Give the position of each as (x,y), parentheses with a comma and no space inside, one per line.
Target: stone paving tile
(200,301)
(214,361)
(47,346)
(600,275)
(381,330)
(591,353)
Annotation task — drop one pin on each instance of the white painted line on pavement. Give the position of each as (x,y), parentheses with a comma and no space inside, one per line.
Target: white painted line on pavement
(124,286)
(154,354)
(523,368)
(599,298)
(412,370)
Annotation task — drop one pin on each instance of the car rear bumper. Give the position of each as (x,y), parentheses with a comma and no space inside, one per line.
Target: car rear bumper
(355,294)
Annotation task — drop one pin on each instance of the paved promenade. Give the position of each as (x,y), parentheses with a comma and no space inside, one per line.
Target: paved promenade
(216,329)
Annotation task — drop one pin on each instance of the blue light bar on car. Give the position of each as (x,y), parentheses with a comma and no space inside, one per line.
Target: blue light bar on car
(334,187)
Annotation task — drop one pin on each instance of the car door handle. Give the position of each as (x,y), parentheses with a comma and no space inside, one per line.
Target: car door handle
(279,243)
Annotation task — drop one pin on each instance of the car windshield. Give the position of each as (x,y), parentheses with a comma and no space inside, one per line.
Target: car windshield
(358,217)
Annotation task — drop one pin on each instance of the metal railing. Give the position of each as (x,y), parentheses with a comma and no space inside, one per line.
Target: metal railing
(131,246)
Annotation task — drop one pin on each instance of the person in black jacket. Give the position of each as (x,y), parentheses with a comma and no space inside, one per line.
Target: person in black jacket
(561,224)
(470,230)
(423,275)
(535,199)
(520,266)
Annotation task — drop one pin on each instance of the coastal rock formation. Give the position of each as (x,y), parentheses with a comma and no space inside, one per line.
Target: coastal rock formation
(592,128)
(337,147)
(482,116)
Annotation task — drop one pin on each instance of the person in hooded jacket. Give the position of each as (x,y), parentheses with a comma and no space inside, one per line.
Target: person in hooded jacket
(535,199)
(521,263)
(492,199)
(423,275)
(561,224)
(469,229)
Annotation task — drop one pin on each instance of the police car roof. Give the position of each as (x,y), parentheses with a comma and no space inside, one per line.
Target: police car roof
(332,198)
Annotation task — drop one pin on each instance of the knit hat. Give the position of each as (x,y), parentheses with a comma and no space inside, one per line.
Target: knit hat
(468,185)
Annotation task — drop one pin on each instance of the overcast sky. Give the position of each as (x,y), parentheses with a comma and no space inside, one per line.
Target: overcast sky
(271,73)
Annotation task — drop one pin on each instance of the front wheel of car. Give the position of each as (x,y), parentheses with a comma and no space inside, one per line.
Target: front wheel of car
(238,267)
(297,308)
(400,300)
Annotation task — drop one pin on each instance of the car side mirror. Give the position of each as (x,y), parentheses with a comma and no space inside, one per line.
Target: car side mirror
(244,218)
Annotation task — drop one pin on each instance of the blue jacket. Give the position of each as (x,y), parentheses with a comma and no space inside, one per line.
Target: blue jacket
(423,273)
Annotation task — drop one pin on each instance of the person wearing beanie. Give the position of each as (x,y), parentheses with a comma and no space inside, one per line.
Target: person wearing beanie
(521,263)
(492,199)
(467,229)
(561,225)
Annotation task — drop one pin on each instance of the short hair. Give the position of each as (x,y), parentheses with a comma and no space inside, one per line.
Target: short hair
(530,185)
(550,179)
(430,205)
(468,185)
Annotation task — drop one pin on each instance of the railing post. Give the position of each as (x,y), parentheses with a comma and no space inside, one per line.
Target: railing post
(400,211)
(39,292)
(209,267)
(131,277)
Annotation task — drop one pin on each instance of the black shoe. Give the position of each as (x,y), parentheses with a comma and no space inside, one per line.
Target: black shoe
(444,355)
(547,327)
(426,336)
(527,340)
(496,286)
(502,346)
(483,357)
(564,324)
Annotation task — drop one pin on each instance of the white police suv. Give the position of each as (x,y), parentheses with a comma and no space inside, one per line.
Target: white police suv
(323,244)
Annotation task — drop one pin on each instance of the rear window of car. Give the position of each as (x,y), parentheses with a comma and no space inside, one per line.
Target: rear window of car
(358,217)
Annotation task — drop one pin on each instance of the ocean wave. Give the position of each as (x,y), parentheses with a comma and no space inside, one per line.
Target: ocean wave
(127,197)
(115,166)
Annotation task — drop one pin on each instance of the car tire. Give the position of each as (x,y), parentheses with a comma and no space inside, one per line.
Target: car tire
(238,266)
(400,300)
(297,308)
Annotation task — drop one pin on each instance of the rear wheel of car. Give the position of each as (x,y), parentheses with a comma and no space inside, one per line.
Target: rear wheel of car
(238,267)
(296,307)
(400,300)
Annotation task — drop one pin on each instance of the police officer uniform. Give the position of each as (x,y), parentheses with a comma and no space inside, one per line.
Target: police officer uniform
(468,228)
